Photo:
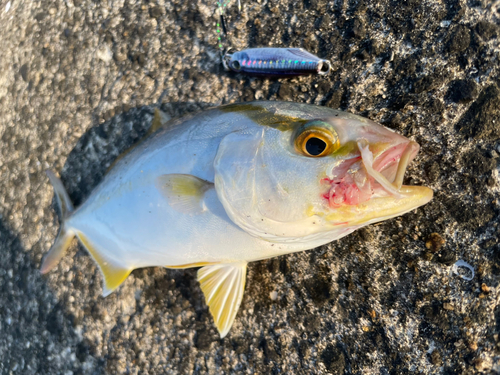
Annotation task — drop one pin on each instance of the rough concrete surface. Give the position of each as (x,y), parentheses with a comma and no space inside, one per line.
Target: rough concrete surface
(79,81)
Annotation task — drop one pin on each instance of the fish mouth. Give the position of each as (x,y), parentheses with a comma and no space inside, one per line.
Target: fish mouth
(371,187)
(390,166)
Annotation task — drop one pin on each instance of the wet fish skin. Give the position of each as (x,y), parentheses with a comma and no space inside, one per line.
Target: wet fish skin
(236,184)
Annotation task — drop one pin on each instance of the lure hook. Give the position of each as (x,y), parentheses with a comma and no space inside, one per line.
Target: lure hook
(226,59)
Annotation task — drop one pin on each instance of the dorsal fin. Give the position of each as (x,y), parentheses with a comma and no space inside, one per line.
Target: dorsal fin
(160,118)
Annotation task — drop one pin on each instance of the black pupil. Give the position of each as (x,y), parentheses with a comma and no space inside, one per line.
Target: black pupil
(315,146)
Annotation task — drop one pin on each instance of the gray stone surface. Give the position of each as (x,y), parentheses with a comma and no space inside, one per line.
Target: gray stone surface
(79,81)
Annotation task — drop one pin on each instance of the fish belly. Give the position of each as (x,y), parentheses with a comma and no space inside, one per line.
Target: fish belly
(140,229)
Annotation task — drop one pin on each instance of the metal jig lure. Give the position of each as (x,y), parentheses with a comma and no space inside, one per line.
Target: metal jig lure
(279,62)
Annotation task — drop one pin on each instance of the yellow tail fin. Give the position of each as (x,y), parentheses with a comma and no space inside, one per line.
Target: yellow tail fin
(113,274)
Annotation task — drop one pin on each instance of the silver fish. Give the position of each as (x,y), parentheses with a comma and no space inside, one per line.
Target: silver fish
(237,184)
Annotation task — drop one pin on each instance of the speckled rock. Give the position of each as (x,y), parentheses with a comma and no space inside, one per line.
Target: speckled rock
(80,80)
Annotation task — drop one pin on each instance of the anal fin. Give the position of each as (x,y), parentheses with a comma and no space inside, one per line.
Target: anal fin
(223,286)
(113,274)
(191,265)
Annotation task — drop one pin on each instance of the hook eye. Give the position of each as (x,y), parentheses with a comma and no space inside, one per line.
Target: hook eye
(235,65)
(324,67)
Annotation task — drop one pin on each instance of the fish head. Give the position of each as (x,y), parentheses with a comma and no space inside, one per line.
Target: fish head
(316,179)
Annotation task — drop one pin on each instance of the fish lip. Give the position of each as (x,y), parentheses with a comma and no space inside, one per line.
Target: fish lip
(380,194)
(367,176)
(393,156)
(389,167)
(381,208)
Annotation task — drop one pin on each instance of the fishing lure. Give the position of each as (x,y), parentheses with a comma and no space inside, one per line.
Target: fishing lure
(282,62)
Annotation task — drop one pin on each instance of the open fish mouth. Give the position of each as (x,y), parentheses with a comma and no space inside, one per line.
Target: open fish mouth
(369,188)
(389,168)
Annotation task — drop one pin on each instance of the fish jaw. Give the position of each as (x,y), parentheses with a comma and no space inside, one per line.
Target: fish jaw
(381,208)
(369,188)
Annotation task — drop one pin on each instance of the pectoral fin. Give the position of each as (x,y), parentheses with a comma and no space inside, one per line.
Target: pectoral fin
(223,286)
(183,192)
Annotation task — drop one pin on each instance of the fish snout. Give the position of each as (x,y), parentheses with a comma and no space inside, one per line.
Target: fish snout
(370,188)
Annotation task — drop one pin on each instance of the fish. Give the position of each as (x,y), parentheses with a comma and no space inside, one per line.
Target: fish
(236,184)
(276,62)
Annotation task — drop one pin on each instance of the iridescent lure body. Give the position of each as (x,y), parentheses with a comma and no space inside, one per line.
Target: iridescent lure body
(284,62)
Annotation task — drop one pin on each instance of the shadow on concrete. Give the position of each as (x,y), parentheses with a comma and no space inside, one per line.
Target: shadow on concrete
(85,168)
(33,320)
(33,323)
(97,149)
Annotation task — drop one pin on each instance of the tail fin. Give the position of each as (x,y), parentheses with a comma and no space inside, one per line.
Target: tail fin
(113,272)
(65,235)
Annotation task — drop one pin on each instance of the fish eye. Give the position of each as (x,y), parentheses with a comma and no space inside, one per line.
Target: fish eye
(315,146)
(316,142)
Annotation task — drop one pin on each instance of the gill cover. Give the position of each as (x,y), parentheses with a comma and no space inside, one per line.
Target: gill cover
(251,196)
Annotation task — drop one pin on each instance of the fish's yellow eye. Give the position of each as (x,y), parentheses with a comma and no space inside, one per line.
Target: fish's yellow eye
(316,142)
